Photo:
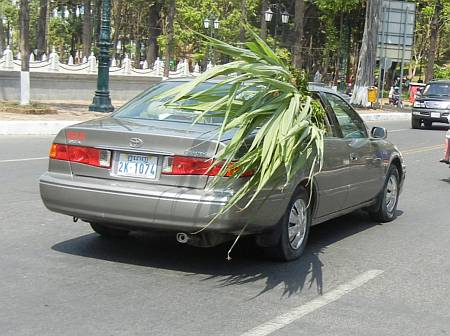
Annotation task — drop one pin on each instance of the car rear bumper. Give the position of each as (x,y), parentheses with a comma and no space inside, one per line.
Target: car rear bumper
(426,115)
(156,208)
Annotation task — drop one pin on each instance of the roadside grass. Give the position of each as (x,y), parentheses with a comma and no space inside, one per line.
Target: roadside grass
(33,108)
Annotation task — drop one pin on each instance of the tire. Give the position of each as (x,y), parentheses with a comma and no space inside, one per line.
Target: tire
(428,124)
(415,123)
(385,210)
(293,229)
(107,231)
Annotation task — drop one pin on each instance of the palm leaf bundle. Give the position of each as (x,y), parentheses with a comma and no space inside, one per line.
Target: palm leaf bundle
(279,127)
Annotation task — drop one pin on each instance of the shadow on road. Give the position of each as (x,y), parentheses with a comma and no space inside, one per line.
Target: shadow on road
(160,250)
(436,127)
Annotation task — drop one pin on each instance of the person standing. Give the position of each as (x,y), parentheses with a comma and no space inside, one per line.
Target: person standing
(447,148)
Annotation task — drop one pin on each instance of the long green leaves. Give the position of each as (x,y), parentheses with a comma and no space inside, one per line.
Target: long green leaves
(279,128)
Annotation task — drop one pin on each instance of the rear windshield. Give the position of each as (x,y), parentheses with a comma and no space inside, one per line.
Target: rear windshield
(147,106)
(437,89)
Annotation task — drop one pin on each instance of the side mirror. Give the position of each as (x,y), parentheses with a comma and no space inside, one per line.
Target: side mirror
(378,133)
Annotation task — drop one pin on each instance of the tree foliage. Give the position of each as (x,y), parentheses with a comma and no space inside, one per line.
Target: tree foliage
(330,41)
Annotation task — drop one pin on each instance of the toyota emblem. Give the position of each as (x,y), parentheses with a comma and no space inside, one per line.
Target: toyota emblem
(136,143)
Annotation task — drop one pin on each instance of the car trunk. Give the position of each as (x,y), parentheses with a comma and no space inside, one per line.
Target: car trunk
(147,140)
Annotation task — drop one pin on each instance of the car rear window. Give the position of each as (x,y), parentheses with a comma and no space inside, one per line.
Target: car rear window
(147,106)
(437,89)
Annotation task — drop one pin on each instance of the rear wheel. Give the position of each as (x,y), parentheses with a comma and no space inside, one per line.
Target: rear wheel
(385,209)
(293,228)
(107,231)
(415,123)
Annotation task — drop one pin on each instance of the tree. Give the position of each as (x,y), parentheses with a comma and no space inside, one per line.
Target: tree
(42,33)
(434,35)
(264,8)
(367,57)
(169,33)
(25,52)
(298,24)
(154,23)
(87,28)
(2,35)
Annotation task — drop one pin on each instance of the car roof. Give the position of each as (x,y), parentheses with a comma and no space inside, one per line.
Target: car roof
(313,87)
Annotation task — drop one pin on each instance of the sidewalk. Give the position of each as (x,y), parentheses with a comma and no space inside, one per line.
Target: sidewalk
(74,112)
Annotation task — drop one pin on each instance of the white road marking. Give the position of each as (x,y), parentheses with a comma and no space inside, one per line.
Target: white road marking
(19,160)
(399,130)
(300,311)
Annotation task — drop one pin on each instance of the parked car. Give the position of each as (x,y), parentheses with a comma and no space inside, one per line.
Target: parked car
(146,167)
(432,105)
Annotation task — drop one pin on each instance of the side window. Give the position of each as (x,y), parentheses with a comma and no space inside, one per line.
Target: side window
(330,128)
(350,123)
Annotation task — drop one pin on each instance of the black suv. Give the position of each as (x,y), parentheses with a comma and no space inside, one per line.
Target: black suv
(432,105)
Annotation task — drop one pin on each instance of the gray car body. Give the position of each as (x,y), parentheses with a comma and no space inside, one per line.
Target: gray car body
(353,175)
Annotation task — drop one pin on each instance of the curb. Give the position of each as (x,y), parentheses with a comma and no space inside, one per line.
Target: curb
(386,116)
(52,127)
(32,127)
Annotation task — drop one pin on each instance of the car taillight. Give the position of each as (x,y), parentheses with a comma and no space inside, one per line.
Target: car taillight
(79,154)
(182,165)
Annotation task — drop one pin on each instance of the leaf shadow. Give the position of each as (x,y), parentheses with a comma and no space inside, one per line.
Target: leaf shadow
(248,266)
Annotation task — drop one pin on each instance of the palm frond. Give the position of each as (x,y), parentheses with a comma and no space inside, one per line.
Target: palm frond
(279,127)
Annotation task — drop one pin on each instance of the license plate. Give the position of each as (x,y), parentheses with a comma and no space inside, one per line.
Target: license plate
(435,115)
(132,165)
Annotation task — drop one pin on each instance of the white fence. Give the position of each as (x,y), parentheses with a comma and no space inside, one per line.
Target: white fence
(90,66)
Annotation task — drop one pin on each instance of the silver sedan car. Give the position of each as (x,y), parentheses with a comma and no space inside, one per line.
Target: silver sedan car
(146,168)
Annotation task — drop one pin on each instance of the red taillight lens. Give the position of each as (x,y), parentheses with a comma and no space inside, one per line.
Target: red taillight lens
(181,165)
(59,152)
(86,155)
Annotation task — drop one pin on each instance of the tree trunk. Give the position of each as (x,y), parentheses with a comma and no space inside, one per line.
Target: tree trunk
(169,46)
(2,38)
(367,56)
(264,7)
(434,35)
(243,20)
(154,31)
(137,54)
(87,28)
(41,38)
(337,67)
(25,52)
(297,61)
(97,14)
(390,76)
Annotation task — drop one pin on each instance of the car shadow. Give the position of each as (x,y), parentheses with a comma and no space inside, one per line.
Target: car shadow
(249,265)
(434,127)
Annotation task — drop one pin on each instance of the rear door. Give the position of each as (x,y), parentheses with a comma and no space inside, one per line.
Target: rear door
(334,179)
(366,167)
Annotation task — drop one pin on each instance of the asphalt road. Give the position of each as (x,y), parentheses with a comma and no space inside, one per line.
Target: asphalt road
(357,277)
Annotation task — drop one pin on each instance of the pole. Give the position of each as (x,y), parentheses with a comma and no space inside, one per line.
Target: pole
(102,99)
(382,59)
(400,103)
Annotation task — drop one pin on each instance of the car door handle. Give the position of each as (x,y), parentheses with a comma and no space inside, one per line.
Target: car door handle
(354,157)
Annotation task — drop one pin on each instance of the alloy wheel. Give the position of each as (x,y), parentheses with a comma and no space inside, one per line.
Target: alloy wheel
(391,193)
(298,219)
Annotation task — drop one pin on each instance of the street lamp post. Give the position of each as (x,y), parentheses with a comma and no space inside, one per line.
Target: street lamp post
(211,24)
(102,99)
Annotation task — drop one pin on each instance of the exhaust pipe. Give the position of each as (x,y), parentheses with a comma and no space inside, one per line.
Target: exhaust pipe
(182,238)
